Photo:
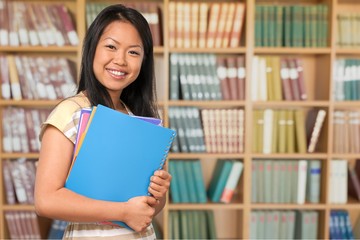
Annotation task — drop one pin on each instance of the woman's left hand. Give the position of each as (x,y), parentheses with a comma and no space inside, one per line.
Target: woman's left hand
(159,184)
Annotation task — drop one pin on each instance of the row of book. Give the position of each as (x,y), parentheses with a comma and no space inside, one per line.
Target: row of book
(19,180)
(346,79)
(277,78)
(290,224)
(346,131)
(21,128)
(348,29)
(207,77)
(36,77)
(200,224)
(150,10)
(31,24)
(341,227)
(205,25)
(192,224)
(188,184)
(291,25)
(287,130)
(290,181)
(22,224)
(187,123)
(207,130)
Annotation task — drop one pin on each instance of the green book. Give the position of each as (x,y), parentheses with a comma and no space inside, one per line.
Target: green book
(268,170)
(174,77)
(254,180)
(199,181)
(287,26)
(219,178)
(290,132)
(258,26)
(211,227)
(189,181)
(184,194)
(202,224)
(300,131)
(282,131)
(175,182)
(176,228)
(184,223)
(278,26)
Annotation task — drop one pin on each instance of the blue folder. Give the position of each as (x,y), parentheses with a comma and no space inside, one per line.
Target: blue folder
(118,156)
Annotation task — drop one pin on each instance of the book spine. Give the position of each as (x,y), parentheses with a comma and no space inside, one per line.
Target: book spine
(232,182)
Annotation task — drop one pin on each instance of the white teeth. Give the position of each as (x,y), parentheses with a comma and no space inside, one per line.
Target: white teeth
(117,73)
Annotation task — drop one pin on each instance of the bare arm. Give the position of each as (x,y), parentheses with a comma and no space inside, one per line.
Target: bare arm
(54,201)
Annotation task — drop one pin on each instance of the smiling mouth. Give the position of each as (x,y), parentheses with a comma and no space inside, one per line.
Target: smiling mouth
(117,73)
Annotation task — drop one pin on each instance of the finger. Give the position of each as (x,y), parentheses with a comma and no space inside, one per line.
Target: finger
(162,174)
(151,200)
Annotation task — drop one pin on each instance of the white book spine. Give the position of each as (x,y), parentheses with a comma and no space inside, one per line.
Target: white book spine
(232,182)
(301,183)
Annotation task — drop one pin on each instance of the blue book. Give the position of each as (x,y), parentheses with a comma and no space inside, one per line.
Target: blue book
(118,156)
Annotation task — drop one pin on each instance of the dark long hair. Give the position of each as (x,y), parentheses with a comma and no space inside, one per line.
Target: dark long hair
(139,96)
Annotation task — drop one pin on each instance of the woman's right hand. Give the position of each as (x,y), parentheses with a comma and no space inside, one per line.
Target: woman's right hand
(139,212)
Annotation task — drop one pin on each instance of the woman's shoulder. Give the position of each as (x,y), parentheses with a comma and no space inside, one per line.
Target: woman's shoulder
(74,103)
(66,114)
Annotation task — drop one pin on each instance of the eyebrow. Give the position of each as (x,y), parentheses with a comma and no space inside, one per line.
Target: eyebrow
(136,45)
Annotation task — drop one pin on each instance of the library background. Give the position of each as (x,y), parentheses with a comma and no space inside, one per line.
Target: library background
(264,96)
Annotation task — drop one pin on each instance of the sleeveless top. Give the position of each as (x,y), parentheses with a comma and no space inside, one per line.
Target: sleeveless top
(65,117)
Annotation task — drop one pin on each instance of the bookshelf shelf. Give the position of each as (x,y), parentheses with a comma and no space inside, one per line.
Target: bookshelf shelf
(318,75)
(241,50)
(18,207)
(283,50)
(40,103)
(274,104)
(40,49)
(204,155)
(290,156)
(289,206)
(346,104)
(345,155)
(19,155)
(209,206)
(348,51)
(207,104)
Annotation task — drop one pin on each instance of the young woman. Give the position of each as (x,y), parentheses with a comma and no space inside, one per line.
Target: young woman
(117,70)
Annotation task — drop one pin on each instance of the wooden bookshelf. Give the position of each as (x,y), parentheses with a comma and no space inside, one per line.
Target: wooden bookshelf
(232,219)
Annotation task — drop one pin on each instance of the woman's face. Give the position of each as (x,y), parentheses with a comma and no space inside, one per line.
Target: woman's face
(118,57)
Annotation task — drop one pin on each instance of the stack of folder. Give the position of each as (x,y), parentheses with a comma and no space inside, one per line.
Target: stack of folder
(116,154)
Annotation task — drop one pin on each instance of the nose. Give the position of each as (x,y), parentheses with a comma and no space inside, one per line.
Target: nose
(120,59)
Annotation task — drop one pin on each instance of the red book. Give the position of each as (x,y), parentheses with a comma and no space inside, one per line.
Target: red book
(68,24)
(240,63)
(235,36)
(301,80)
(353,183)
(293,79)
(285,79)
(221,69)
(231,73)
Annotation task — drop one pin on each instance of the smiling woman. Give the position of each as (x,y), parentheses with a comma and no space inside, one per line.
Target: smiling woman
(117,70)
